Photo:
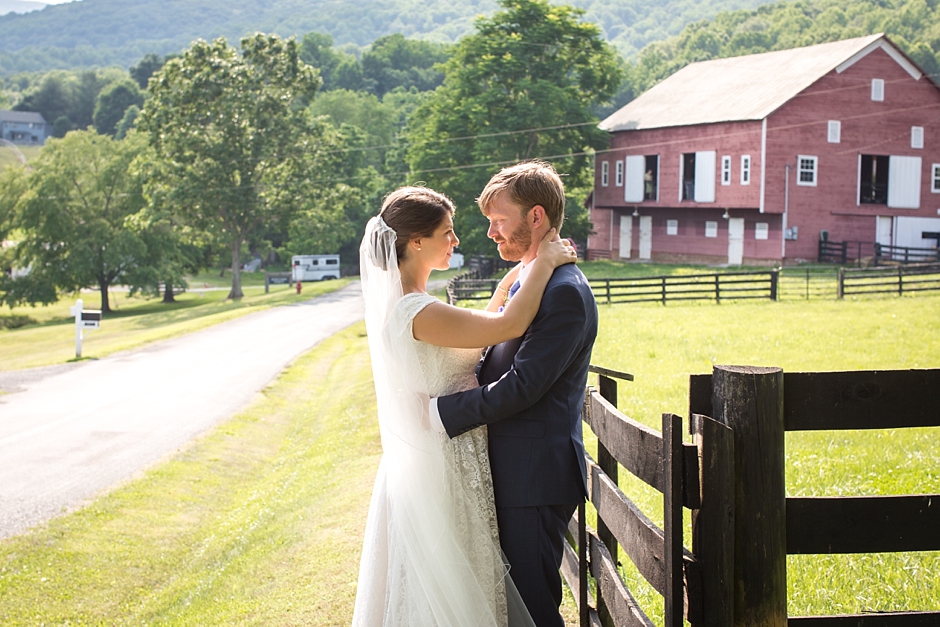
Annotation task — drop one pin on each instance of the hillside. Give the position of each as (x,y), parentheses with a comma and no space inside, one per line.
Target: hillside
(120,32)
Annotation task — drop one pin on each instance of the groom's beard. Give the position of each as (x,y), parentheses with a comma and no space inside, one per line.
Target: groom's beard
(519,242)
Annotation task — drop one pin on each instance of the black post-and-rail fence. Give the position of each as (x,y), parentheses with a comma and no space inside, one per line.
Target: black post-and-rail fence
(775,284)
(716,287)
(732,479)
(889,280)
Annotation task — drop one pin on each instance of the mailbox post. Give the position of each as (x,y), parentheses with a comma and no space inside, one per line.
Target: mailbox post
(84,319)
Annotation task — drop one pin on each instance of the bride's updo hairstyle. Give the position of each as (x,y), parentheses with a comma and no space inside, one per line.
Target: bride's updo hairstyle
(414,212)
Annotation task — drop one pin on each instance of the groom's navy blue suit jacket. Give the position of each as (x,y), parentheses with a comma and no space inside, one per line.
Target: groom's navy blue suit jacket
(531,396)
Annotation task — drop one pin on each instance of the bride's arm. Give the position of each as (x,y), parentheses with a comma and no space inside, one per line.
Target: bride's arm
(446,325)
(502,289)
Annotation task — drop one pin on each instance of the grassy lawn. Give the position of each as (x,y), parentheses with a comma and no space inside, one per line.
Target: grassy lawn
(260,521)
(49,336)
(7,158)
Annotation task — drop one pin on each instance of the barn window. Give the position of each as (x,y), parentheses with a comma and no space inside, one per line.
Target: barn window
(618,180)
(935,178)
(878,89)
(917,137)
(745,169)
(873,180)
(651,177)
(761,230)
(726,170)
(711,229)
(834,136)
(605,173)
(806,170)
(672,227)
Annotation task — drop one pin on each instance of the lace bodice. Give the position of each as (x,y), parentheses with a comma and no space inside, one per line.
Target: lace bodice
(446,370)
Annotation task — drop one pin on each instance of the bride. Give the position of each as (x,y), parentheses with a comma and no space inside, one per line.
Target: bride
(431,553)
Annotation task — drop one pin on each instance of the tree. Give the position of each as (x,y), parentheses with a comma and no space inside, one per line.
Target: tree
(521,87)
(127,122)
(237,148)
(145,68)
(51,99)
(113,103)
(393,61)
(72,211)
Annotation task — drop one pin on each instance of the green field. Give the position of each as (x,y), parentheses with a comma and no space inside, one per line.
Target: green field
(259,522)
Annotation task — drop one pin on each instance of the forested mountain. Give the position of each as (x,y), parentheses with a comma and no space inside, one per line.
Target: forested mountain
(120,32)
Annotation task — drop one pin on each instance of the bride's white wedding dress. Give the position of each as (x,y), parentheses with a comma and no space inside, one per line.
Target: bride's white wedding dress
(393,590)
(431,555)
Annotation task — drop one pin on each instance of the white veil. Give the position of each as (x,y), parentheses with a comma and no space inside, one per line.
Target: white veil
(415,567)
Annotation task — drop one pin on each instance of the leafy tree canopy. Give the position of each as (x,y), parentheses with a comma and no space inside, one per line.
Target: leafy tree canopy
(113,103)
(72,210)
(519,88)
(237,152)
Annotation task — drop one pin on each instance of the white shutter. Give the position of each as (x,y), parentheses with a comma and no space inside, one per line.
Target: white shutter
(633,182)
(904,182)
(705,176)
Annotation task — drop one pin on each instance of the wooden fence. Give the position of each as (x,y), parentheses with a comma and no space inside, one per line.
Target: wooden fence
(716,287)
(694,588)
(904,254)
(732,477)
(896,280)
(684,287)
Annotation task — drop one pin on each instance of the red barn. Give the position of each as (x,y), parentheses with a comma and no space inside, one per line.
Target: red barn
(753,159)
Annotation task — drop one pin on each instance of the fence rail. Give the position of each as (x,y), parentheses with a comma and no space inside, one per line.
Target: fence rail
(665,462)
(736,572)
(716,286)
(895,280)
(904,254)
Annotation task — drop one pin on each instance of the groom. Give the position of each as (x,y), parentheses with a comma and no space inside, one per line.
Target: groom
(532,393)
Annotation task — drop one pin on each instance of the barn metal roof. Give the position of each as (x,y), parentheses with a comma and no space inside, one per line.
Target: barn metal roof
(744,88)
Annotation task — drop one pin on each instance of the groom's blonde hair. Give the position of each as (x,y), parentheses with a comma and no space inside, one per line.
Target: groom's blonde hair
(528,184)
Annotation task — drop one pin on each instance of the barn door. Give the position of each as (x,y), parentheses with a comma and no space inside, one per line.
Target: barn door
(883,230)
(626,236)
(735,241)
(646,236)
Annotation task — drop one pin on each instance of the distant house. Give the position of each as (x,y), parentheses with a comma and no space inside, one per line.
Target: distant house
(24,127)
(753,159)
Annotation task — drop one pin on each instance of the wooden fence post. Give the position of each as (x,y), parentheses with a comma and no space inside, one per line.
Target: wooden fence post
(749,400)
(774,279)
(713,522)
(840,290)
(608,389)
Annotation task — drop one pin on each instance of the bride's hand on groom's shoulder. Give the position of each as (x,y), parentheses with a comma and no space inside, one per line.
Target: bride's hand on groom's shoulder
(556,250)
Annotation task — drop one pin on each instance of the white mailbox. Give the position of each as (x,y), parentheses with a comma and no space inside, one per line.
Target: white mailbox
(84,319)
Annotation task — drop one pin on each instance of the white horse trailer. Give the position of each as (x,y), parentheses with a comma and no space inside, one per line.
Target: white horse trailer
(314,267)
